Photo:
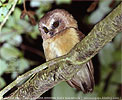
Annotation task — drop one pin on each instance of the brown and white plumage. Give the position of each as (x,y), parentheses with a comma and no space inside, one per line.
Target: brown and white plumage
(60,34)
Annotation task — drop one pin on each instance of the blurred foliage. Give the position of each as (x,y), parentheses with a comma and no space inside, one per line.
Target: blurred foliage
(103,9)
(12,59)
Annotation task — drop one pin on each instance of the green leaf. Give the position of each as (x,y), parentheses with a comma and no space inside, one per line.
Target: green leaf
(35,32)
(16,40)
(117,40)
(25,25)
(99,88)
(106,55)
(87,96)
(3,66)
(10,36)
(105,70)
(2,82)
(63,1)
(22,65)
(35,3)
(19,2)
(63,90)
(111,91)
(117,55)
(10,1)
(0,4)
(9,6)
(12,65)
(1,18)
(11,22)
(14,75)
(3,11)
(117,77)
(17,13)
(8,51)
(3,1)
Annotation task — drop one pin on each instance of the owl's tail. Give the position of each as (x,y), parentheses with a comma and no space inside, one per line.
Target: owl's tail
(84,79)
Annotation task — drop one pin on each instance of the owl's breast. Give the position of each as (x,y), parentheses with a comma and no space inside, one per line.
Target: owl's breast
(51,50)
(60,44)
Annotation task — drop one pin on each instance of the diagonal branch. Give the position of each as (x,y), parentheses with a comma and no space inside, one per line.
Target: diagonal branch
(62,68)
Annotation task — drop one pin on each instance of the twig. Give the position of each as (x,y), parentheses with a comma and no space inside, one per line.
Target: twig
(7,16)
(24,6)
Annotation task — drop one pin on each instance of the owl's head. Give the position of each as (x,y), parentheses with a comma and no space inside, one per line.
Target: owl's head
(54,22)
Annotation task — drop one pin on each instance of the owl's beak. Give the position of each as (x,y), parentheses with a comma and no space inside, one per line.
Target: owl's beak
(51,32)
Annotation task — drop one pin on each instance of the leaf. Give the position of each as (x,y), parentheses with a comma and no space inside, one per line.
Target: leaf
(63,90)
(12,37)
(26,27)
(11,22)
(99,88)
(12,65)
(35,3)
(35,32)
(3,1)
(63,1)
(3,66)
(1,18)
(0,4)
(22,65)
(117,77)
(2,82)
(17,13)
(87,96)
(14,75)
(4,36)
(105,70)
(111,91)
(117,55)
(3,11)
(19,1)
(8,51)
(117,40)
(16,40)
(106,55)
(9,6)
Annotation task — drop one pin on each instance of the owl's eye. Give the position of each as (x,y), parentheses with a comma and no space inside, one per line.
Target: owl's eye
(45,30)
(55,24)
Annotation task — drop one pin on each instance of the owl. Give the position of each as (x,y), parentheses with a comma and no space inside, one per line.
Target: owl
(59,31)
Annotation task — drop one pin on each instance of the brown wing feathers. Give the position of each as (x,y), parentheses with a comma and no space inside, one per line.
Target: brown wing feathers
(84,79)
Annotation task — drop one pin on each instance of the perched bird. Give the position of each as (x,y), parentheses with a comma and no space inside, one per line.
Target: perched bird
(59,31)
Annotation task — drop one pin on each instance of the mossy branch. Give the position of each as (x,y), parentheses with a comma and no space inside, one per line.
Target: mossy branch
(60,69)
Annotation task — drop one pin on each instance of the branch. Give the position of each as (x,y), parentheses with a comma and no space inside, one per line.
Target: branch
(63,68)
(9,13)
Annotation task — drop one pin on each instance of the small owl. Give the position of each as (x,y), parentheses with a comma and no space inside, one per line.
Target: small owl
(59,31)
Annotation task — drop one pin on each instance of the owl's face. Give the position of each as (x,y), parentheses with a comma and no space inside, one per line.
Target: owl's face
(54,22)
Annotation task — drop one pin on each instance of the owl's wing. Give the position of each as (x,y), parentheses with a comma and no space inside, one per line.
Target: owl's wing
(84,79)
